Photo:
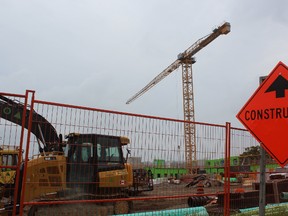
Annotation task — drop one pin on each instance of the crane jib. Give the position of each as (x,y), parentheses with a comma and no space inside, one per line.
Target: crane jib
(187,54)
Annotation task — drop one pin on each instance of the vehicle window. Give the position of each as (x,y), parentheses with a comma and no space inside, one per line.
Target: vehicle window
(81,152)
(98,151)
(86,152)
(9,160)
(113,154)
(109,150)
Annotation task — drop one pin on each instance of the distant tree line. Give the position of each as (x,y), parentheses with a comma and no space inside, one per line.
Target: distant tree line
(253,154)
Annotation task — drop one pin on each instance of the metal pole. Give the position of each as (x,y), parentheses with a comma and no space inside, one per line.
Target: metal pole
(227,170)
(262,186)
(31,95)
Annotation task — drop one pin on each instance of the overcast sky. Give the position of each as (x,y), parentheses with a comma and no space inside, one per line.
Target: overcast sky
(100,53)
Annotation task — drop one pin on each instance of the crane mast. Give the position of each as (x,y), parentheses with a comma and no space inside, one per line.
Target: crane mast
(185,60)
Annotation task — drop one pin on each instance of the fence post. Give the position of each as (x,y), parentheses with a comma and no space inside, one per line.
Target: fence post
(29,94)
(17,179)
(227,170)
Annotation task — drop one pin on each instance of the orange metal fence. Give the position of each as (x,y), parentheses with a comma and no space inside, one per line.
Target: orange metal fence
(156,149)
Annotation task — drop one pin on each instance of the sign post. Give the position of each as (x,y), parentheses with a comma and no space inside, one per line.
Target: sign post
(262,186)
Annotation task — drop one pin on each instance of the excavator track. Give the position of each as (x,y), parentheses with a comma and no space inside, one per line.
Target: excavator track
(79,209)
(75,209)
(70,210)
(97,209)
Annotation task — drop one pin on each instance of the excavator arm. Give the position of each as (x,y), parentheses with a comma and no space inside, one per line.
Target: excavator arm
(12,110)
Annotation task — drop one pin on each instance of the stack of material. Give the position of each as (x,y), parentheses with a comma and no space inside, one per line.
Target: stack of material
(200,179)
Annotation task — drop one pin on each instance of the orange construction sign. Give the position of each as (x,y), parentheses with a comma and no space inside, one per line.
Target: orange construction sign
(265,114)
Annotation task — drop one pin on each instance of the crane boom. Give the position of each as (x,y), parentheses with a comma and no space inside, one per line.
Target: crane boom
(188,53)
(156,80)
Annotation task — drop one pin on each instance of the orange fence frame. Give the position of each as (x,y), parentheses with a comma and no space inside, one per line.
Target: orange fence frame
(30,99)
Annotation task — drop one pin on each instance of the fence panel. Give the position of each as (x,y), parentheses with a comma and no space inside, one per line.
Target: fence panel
(157,146)
(12,134)
(86,171)
(246,169)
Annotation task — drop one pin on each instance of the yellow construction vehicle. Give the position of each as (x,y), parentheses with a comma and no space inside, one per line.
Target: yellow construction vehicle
(8,163)
(91,167)
(82,167)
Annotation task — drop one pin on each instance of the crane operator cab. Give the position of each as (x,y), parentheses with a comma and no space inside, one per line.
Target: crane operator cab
(95,163)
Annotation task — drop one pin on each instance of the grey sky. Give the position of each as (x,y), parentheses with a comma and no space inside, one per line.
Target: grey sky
(100,53)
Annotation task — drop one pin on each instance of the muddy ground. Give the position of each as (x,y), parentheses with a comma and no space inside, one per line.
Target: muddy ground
(175,197)
(168,189)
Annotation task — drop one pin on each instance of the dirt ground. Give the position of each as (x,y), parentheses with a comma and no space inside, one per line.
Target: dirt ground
(168,189)
(160,190)
(164,196)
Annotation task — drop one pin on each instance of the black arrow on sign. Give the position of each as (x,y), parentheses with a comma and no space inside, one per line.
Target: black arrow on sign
(279,86)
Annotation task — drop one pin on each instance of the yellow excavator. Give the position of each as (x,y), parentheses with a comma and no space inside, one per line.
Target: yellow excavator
(81,167)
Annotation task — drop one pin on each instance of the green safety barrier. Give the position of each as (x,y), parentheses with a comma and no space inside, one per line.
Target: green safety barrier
(270,209)
(197,211)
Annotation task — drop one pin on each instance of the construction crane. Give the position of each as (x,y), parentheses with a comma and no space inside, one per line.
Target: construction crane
(186,60)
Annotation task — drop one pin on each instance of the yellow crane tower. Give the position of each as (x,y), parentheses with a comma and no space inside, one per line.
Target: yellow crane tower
(186,60)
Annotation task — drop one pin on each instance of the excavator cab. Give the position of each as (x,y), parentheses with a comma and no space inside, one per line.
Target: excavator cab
(95,163)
